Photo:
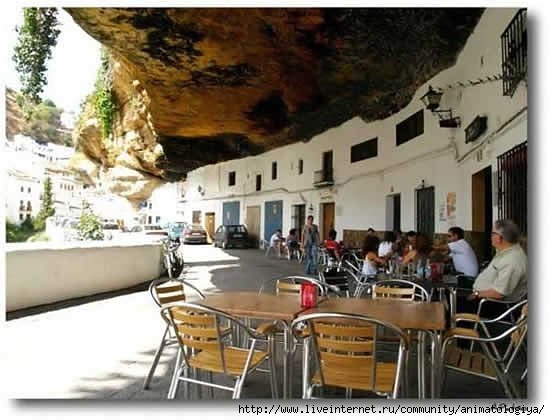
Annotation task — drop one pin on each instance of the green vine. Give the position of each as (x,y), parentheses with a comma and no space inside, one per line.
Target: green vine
(104,97)
(36,38)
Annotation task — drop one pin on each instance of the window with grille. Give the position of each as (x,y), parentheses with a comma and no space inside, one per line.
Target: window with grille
(365,150)
(232,178)
(410,128)
(512,185)
(514,52)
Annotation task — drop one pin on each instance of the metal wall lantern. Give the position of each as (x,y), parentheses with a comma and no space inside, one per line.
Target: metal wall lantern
(431,100)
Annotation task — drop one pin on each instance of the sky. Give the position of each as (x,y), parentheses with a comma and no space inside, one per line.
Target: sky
(71,70)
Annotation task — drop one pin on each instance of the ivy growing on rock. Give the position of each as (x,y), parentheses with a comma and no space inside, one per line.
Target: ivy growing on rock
(36,38)
(103,96)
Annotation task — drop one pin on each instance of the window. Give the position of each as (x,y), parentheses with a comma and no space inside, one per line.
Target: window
(512,186)
(29,207)
(22,189)
(410,128)
(274,170)
(365,150)
(20,216)
(514,52)
(300,167)
(29,190)
(157,219)
(232,178)
(258,182)
(150,206)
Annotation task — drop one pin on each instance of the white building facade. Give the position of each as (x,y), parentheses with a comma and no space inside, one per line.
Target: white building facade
(404,172)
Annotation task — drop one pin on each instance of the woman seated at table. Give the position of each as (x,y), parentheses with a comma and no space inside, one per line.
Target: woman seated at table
(332,246)
(372,260)
(420,250)
(385,249)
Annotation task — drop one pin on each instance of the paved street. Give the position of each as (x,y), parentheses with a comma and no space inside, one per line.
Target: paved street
(101,347)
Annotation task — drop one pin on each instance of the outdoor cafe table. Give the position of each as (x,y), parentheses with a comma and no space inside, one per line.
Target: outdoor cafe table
(283,308)
(427,317)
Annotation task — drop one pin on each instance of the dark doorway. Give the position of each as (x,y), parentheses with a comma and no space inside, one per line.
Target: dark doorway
(328,219)
(482,210)
(393,212)
(327,166)
(425,210)
(298,218)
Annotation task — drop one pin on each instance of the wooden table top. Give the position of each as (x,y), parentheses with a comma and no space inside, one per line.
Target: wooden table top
(405,315)
(254,305)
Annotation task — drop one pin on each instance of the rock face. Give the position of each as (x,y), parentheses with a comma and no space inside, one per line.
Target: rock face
(14,116)
(214,84)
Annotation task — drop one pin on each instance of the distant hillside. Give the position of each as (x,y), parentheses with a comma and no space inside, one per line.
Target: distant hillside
(43,122)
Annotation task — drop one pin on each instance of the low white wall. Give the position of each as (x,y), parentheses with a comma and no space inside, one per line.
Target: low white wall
(38,273)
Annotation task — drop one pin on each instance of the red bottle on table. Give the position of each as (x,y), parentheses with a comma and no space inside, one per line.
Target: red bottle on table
(308,295)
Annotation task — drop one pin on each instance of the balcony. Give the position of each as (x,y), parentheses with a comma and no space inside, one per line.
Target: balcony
(323,178)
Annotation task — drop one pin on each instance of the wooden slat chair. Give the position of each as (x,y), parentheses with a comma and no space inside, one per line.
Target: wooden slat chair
(489,363)
(405,291)
(166,292)
(199,331)
(345,348)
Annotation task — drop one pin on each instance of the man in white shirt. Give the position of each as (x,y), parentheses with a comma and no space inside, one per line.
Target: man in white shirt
(464,258)
(276,241)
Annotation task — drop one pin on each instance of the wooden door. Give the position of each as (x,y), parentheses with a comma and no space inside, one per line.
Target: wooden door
(425,211)
(328,220)
(253,224)
(210,224)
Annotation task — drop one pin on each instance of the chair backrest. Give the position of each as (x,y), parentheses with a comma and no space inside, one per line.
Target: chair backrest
(401,290)
(170,291)
(344,342)
(200,328)
(291,285)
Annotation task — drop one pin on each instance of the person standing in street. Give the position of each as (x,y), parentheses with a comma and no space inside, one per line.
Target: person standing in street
(310,244)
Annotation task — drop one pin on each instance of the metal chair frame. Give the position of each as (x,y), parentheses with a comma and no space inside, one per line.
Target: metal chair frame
(500,363)
(183,367)
(168,337)
(310,319)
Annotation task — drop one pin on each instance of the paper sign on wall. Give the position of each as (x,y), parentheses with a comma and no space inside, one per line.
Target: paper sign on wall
(451,208)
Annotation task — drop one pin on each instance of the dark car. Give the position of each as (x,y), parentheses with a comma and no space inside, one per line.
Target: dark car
(194,234)
(231,236)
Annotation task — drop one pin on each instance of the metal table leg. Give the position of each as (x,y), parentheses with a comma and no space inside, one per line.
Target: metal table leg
(287,362)
(452,304)
(305,367)
(436,364)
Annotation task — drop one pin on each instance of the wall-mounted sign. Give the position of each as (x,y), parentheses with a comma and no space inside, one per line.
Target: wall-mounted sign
(476,128)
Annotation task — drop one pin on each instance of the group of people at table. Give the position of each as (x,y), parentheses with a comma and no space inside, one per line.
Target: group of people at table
(504,278)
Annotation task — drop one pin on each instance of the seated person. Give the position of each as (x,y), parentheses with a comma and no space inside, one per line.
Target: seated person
(331,245)
(292,240)
(462,254)
(276,241)
(385,249)
(372,260)
(506,275)
(419,248)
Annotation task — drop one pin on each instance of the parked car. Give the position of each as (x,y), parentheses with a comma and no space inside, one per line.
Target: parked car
(152,232)
(231,236)
(111,230)
(175,230)
(194,234)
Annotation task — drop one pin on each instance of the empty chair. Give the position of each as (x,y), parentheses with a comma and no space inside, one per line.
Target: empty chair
(489,363)
(199,332)
(345,347)
(165,292)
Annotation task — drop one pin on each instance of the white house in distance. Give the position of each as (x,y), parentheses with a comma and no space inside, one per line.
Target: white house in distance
(409,171)
(22,195)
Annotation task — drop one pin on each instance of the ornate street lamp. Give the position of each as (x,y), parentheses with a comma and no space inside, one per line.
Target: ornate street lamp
(432,100)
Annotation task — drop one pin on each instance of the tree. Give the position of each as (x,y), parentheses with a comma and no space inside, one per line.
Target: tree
(36,38)
(46,208)
(89,227)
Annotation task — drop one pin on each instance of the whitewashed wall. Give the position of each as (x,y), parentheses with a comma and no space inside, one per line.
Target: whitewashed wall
(440,156)
(41,273)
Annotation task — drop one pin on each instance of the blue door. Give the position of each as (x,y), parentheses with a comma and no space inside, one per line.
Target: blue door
(231,215)
(273,218)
